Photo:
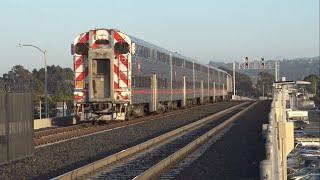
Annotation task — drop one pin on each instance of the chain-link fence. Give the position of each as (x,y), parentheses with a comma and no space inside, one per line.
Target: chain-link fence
(14,86)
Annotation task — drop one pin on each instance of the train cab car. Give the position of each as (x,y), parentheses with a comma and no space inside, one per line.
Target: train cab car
(118,76)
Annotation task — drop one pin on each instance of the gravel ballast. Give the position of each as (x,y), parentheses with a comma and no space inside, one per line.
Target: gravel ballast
(51,161)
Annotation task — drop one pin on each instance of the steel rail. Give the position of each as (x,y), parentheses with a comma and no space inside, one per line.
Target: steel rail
(174,158)
(77,132)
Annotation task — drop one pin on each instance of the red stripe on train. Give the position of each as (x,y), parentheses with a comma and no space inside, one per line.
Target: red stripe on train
(116,85)
(78,63)
(123,60)
(164,91)
(84,39)
(120,74)
(117,36)
(80,77)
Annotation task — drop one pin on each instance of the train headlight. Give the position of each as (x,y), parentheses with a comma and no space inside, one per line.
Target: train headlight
(125,104)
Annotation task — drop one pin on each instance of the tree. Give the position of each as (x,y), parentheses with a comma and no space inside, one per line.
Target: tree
(314,87)
(243,83)
(60,83)
(18,73)
(264,83)
(315,81)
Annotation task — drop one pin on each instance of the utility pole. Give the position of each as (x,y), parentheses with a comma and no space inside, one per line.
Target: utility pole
(276,70)
(234,78)
(40,108)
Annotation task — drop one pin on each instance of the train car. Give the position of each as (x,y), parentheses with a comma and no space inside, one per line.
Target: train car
(118,76)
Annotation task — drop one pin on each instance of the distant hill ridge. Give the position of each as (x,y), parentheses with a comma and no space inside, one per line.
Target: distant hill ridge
(292,69)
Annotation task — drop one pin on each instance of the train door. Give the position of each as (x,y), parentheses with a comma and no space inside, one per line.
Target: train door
(101,78)
(154,93)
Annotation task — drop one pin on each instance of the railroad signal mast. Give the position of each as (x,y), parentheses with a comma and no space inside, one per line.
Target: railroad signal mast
(260,65)
(246,63)
(256,65)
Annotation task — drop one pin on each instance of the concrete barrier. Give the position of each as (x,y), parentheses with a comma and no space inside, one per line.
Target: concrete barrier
(63,121)
(42,123)
(279,136)
(55,121)
(240,98)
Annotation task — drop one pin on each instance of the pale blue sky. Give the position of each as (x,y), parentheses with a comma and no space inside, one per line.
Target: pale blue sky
(206,30)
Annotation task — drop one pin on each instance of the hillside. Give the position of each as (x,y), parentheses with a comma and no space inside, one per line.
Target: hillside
(292,69)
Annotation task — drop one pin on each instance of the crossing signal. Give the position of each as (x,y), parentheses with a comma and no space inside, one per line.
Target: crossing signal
(246,63)
(262,63)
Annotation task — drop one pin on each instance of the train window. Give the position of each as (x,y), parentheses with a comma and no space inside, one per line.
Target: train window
(138,47)
(102,42)
(147,52)
(142,82)
(133,82)
(198,85)
(152,54)
(121,47)
(204,69)
(189,65)
(197,67)
(82,48)
(189,84)
(177,61)
(216,76)
(177,84)
(143,51)
(211,72)
(102,67)
(162,83)
(162,57)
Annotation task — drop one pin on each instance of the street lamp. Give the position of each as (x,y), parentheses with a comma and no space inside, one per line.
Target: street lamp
(45,74)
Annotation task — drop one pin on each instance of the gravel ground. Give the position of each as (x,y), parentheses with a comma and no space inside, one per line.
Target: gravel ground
(51,161)
(237,154)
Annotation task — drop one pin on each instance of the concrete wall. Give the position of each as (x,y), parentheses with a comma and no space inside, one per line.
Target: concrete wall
(42,123)
(55,121)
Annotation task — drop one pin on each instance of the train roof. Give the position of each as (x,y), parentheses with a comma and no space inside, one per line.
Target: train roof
(176,54)
(151,45)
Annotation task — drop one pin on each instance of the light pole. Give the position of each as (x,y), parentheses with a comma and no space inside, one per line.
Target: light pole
(234,78)
(45,74)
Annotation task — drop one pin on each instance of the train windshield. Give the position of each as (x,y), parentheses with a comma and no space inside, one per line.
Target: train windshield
(102,42)
(121,47)
(81,48)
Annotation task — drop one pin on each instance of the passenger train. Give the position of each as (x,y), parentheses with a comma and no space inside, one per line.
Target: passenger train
(118,76)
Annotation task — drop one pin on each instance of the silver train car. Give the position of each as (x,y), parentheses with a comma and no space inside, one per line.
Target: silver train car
(118,76)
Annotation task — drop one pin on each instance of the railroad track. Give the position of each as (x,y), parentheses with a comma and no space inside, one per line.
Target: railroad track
(56,135)
(57,130)
(150,158)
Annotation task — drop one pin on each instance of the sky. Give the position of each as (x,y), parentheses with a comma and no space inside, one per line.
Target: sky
(206,30)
